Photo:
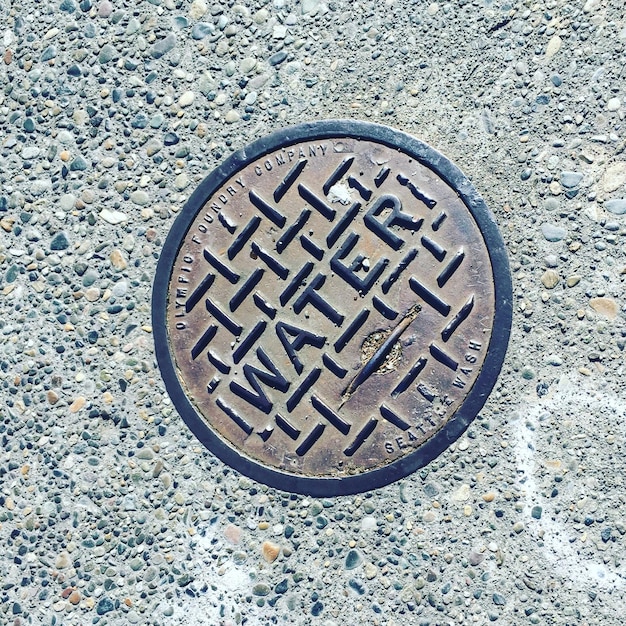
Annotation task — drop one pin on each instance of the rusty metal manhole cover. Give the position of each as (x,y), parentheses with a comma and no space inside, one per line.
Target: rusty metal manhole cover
(332,307)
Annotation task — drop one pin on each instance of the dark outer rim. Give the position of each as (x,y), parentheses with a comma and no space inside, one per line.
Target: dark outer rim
(496,350)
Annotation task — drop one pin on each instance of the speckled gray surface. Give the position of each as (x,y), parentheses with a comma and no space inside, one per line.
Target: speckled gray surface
(110,511)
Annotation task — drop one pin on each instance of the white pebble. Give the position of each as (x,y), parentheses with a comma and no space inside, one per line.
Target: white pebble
(186,99)
(613,104)
(554,45)
(113,217)
(232,116)
(197,9)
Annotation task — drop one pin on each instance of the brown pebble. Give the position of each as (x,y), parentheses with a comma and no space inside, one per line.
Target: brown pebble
(158,468)
(74,597)
(78,404)
(88,196)
(92,294)
(65,594)
(232,534)
(6,223)
(607,307)
(270,551)
(489,497)
(118,260)
(550,279)
(53,397)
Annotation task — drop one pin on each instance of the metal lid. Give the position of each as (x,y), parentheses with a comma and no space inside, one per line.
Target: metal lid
(332,307)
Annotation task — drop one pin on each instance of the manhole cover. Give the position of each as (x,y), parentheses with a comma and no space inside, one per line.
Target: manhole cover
(332,307)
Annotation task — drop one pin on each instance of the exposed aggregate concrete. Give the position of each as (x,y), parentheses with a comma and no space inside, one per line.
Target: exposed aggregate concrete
(110,511)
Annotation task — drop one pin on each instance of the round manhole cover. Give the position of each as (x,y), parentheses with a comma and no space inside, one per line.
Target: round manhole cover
(332,307)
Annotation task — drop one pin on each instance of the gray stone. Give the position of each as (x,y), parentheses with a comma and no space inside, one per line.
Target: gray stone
(258,81)
(281,587)
(59,242)
(499,599)
(551,204)
(107,53)
(49,53)
(310,7)
(277,58)
(156,120)
(261,589)
(163,46)
(248,65)
(554,359)
(90,277)
(617,206)
(136,564)
(140,120)
(140,197)
(105,605)
(150,574)
(553,233)
(353,559)
(133,26)
(78,164)
(569,180)
(201,30)
(206,84)
(69,6)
